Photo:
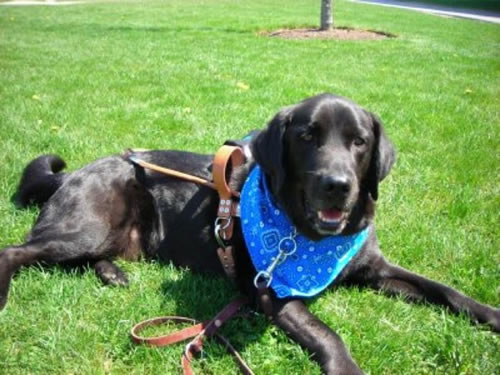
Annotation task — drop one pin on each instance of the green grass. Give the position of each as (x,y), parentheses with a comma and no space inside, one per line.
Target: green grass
(489,5)
(89,80)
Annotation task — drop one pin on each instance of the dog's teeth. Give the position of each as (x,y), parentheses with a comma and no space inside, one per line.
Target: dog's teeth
(330,216)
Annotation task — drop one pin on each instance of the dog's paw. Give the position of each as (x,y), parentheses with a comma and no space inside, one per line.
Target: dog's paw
(110,273)
(114,279)
(6,273)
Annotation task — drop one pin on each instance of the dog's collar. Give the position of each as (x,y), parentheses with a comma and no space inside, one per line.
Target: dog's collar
(308,269)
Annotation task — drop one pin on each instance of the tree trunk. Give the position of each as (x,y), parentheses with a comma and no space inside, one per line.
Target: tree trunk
(326,15)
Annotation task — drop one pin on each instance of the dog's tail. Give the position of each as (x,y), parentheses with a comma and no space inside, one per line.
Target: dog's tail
(40,179)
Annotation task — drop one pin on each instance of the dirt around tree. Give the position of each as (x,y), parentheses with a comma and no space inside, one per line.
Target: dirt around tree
(339,33)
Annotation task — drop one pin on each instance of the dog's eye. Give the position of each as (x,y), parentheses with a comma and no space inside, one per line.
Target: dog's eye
(358,141)
(307,136)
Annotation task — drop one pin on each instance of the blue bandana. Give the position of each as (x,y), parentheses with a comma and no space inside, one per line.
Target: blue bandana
(310,266)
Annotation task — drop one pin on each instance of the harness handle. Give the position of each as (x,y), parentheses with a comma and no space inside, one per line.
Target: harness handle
(226,156)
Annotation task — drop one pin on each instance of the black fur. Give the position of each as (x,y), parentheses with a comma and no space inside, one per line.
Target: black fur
(323,157)
(40,179)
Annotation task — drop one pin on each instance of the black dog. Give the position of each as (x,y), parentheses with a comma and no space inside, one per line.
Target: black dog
(323,160)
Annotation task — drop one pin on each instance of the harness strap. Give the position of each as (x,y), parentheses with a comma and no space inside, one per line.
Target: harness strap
(171,172)
(264,298)
(226,159)
(226,257)
(200,331)
(227,156)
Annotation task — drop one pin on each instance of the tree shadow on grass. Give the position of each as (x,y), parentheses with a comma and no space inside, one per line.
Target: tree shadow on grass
(101,29)
(176,29)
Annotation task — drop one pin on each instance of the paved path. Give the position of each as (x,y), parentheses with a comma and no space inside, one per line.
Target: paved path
(39,2)
(479,15)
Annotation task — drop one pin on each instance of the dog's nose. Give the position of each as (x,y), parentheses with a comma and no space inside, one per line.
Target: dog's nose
(339,185)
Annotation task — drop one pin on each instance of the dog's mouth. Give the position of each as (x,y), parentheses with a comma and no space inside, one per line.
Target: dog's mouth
(326,221)
(331,216)
(330,221)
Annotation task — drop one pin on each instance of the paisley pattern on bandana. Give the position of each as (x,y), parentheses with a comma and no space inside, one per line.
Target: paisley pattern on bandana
(313,266)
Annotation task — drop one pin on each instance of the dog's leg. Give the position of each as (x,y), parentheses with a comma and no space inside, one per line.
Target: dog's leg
(396,280)
(310,332)
(69,248)
(7,270)
(110,273)
(13,258)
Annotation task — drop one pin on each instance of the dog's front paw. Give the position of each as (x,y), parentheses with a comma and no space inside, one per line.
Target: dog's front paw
(6,273)
(110,273)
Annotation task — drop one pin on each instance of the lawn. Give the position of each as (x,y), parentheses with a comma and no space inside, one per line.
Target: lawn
(89,80)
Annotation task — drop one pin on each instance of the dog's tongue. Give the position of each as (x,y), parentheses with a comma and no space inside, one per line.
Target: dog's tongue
(331,214)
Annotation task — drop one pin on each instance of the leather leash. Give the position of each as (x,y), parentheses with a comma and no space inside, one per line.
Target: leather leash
(226,159)
(200,332)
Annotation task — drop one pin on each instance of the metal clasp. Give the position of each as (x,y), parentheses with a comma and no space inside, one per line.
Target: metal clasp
(219,230)
(267,275)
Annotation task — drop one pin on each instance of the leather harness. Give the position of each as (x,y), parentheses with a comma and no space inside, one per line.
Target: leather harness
(226,160)
(229,205)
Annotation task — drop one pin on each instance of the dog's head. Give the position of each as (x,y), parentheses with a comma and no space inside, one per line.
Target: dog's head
(324,159)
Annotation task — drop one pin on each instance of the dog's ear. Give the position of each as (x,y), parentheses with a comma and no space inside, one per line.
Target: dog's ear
(383,157)
(268,148)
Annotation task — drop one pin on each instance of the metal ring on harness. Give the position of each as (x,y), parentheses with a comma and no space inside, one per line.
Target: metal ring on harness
(218,229)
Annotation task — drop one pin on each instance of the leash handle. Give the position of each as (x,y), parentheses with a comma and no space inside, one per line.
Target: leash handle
(168,339)
(200,331)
